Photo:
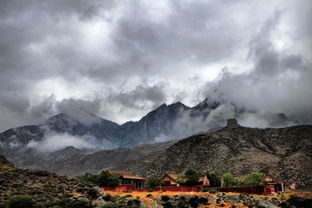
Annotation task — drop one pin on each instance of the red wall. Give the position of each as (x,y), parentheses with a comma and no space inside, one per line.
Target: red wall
(120,188)
(163,189)
(250,190)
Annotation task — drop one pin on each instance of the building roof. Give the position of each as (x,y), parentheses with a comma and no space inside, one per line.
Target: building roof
(174,177)
(271,179)
(126,175)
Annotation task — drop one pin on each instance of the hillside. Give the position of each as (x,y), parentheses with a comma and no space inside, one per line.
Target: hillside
(44,187)
(283,152)
(79,163)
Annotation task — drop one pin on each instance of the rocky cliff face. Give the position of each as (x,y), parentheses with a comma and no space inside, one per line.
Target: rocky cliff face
(283,152)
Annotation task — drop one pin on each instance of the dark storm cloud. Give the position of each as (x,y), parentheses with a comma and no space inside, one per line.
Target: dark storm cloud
(189,32)
(68,55)
(140,96)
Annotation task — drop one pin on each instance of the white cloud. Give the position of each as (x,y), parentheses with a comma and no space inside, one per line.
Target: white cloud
(60,141)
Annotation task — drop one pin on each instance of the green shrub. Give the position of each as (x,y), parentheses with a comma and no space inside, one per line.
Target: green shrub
(4,205)
(165,198)
(21,201)
(107,179)
(88,177)
(229,180)
(107,197)
(67,203)
(193,201)
(40,172)
(110,205)
(189,178)
(79,203)
(213,191)
(102,179)
(134,203)
(153,182)
(203,200)
(214,179)
(92,193)
(252,179)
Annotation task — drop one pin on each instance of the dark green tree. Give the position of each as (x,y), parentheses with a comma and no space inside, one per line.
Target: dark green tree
(88,177)
(229,180)
(107,179)
(191,177)
(252,179)
(214,179)
(153,182)
(92,193)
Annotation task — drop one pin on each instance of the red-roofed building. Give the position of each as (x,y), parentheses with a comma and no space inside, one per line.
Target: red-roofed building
(170,179)
(129,179)
(272,185)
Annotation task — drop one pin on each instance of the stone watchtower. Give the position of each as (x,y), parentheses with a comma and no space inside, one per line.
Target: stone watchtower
(232,123)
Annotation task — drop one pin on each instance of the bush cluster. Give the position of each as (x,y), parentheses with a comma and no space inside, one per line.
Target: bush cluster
(103,179)
(251,179)
(153,182)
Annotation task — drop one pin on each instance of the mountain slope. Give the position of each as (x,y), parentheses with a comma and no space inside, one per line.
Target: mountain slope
(284,152)
(80,163)
(155,126)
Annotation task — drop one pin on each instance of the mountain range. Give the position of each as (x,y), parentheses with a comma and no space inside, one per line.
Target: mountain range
(76,144)
(162,124)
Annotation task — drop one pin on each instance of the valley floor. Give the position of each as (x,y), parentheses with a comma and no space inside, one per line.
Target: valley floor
(225,200)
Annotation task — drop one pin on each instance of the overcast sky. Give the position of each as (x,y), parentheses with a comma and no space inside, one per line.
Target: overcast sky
(121,59)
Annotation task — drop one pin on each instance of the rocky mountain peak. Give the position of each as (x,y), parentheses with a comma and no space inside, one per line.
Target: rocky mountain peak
(232,123)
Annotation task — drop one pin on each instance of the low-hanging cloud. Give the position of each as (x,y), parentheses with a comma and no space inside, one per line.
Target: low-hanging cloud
(54,142)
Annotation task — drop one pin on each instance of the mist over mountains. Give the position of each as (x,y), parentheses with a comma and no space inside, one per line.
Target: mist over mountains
(81,143)
(88,131)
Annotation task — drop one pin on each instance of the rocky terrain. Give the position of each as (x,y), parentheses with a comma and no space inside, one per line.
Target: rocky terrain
(43,189)
(298,199)
(24,188)
(43,186)
(282,152)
